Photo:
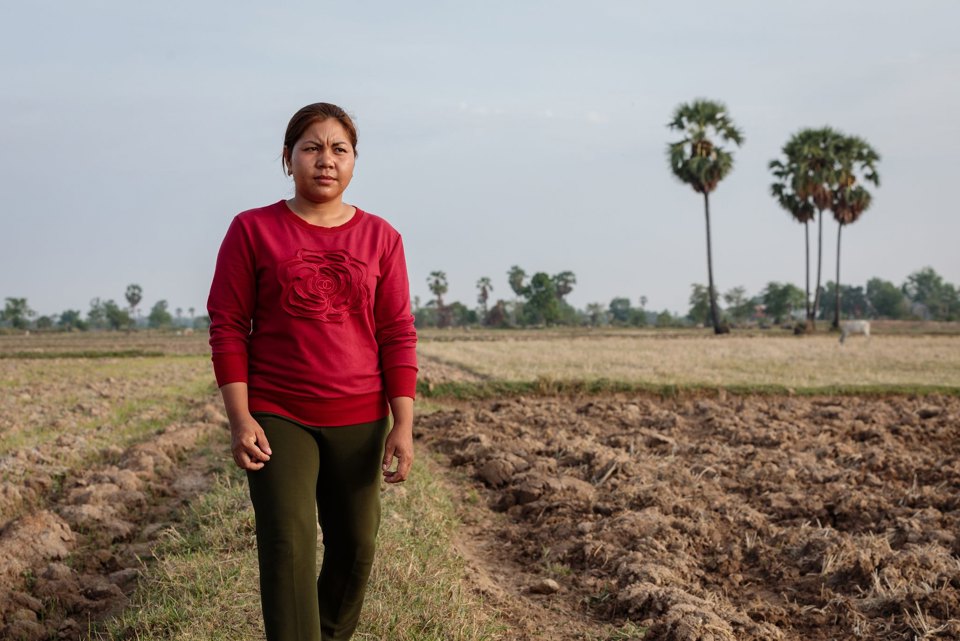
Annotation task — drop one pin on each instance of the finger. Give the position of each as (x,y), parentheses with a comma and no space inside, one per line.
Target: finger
(244,462)
(262,441)
(255,452)
(388,456)
(403,469)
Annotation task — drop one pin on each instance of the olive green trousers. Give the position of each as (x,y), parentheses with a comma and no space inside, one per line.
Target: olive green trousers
(334,471)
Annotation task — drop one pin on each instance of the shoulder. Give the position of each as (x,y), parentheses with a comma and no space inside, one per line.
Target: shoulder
(260,215)
(379,226)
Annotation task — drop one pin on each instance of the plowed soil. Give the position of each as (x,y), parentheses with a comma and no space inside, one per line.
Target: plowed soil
(712,518)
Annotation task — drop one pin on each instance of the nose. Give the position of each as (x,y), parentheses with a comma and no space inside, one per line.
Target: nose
(325,158)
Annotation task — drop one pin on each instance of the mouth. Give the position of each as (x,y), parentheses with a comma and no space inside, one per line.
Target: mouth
(325,180)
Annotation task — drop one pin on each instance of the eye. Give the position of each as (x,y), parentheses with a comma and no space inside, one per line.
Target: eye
(340,150)
(310,148)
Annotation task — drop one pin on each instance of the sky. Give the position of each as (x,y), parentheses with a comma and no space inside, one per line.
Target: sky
(491,134)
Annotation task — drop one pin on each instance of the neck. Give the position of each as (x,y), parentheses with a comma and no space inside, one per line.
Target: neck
(328,214)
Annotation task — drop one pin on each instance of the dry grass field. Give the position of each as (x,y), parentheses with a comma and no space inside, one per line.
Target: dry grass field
(818,361)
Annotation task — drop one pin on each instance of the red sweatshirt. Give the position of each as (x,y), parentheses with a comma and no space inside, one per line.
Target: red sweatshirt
(316,320)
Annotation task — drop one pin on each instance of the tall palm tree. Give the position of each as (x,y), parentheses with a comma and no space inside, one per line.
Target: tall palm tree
(700,162)
(856,162)
(802,210)
(806,180)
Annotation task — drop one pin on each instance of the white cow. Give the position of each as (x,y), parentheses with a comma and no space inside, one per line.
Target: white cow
(854,327)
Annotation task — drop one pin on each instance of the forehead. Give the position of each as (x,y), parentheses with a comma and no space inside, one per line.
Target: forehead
(329,131)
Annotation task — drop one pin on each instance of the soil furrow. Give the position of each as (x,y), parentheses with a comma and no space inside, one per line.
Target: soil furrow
(78,557)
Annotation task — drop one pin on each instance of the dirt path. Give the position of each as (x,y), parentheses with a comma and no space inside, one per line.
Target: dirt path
(728,519)
(74,552)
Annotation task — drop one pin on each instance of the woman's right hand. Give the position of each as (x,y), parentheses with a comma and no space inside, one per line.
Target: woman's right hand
(249,444)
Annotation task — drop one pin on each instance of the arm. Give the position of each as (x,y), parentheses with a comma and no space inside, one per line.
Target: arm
(397,340)
(230,305)
(400,440)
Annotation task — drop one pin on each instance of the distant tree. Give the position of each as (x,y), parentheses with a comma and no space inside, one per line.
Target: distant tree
(563,283)
(667,319)
(191,311)
(808,176)
(461,315)
(133,295)
(856,162)
(116,317)
(70,319)
(159,315)
(485,287)
(17,312)
(426,315)
(44,322)
(619,310)
(437,283)
(516,277)
(929,289)
(498,316)
(596,314)
(700,162)
(96,315)
(543,303)
(700,311)
(886,300)
(794,193)
(853,300)
(781,300)
(739,307)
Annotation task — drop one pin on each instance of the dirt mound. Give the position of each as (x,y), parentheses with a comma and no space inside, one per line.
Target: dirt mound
(731,518)
(79,557)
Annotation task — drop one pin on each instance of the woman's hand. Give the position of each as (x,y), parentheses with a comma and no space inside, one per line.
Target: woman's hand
(399,443)
(248,443)
(247,440)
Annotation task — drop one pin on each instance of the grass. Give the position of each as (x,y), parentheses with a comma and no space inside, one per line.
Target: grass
(203,585)
(143,395)
(887,364)
(117,353)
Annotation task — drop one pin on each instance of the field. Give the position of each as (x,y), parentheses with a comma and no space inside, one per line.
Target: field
(598,486)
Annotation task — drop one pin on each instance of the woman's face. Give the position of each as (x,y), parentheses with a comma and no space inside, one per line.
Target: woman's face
(321,161)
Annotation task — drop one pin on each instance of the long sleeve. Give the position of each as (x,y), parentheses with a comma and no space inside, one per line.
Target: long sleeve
(230,305)
(395,333)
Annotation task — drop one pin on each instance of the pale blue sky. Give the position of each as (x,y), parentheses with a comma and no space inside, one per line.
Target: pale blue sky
(491,134)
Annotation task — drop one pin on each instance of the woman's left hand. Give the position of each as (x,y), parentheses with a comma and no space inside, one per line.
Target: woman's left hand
(399,445)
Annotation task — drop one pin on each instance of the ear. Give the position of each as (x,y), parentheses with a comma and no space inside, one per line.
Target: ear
(287,161)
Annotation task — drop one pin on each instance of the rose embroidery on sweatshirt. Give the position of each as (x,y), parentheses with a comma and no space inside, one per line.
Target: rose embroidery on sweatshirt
(324,285)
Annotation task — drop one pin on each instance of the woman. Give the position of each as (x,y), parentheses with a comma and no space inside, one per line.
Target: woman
(313,344)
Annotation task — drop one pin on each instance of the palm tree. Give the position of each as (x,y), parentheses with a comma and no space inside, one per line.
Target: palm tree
(801,208)
(700,162)
(856,161)
(807,178)
(437,283)
(133,295)
(485,287)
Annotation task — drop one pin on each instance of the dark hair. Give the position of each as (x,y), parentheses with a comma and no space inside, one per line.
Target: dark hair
(317,112)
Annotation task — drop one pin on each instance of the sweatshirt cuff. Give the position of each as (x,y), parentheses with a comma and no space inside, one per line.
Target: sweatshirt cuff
(230,368)
(401,381)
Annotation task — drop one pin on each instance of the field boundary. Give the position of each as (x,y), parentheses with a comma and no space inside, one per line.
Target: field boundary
(542,386)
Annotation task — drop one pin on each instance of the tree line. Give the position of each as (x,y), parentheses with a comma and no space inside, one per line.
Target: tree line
(102,315)
(540,300)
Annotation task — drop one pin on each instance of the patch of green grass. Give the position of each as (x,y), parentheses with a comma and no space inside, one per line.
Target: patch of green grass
(204,583)
(121,353)
(486,390)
